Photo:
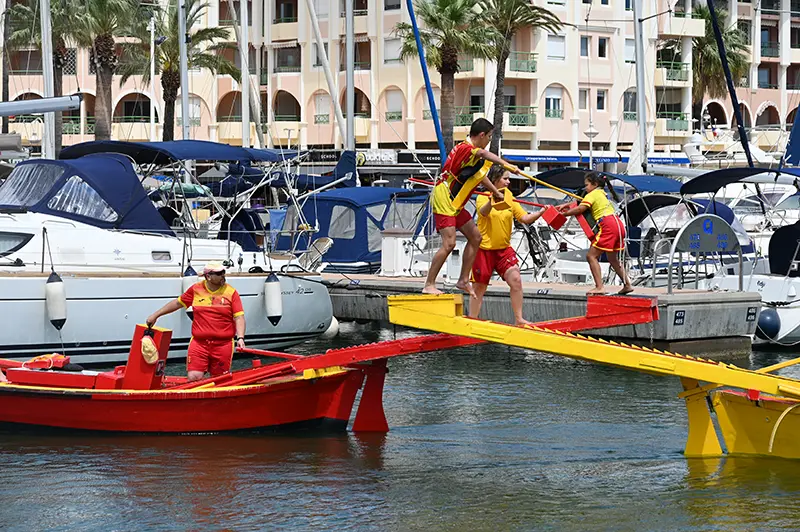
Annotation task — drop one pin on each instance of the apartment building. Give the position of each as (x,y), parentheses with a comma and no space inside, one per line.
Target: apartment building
(559,87)
(769,95)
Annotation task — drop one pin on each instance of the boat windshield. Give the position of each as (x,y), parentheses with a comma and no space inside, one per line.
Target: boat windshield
(28,184)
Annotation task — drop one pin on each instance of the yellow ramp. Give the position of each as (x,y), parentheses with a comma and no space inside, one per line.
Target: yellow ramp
(444,313)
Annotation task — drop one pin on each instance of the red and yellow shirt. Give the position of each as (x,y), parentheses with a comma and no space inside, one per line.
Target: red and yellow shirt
(213,310)
(462,173)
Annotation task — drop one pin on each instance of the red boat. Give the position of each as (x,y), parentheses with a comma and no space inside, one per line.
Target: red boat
(315,392)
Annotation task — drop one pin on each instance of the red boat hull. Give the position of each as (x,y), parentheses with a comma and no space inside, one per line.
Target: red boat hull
(326,402)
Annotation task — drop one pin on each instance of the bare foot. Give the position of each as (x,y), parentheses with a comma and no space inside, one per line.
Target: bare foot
(625,290)
(466,287)
(432,290)
(598,291)
(523,323)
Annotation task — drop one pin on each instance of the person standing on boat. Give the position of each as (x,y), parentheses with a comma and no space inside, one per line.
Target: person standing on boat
(218,326)
(495,253)
(466,167)
(610,236)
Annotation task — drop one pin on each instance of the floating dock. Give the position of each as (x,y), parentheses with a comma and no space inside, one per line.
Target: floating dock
(718,325)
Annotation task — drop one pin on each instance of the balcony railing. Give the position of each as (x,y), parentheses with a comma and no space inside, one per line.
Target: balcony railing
(675,71)
(682,14)
(287,118)
(25,119)
(793,85)
(771,7)
(466,64)
(554,113)
(322,118)
(629,116)
(226,22)
(287,68)
(25,71)
(71,126)
(194,121)
(522,62)
(521,116)
(464,115)
(130,119)
(284,20)
(356,13)
(358,65)
(394,116)
(675,121)
(427,114)
(767,85)
(770,49)
(357,114)
(230,118)
(263,78)
(795,8)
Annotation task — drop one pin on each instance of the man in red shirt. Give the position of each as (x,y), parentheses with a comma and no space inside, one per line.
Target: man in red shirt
(218,325)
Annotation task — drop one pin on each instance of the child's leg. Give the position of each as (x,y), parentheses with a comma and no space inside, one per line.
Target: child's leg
(476,301)
(448,243)
(614,262)
(514,281)
(593,258)
(469,230)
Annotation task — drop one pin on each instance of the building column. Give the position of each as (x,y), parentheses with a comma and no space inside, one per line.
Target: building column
(334,60)
(302,126)
(534,146)
(490,76)
(268,111)
(303,134)
(686,92)
(733,10)
(784,103)
(83,120)
(575,122)
(373,93)
(756,34)
(410,128)
(213,132)
(612,145)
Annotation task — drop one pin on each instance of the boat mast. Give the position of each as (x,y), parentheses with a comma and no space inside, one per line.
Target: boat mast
(349,81)
(184,67)
(641,96)
(326,67)
(254,106)
(731,89)
(431,102)
(49,134)
(244,55)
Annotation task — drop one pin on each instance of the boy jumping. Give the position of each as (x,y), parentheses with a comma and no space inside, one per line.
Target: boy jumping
(466,167)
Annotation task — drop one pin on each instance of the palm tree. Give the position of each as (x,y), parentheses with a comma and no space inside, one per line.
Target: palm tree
(505,18)
(203,51)
(25,31)
(101,22)
(448,28)
(708,77)
(6,60)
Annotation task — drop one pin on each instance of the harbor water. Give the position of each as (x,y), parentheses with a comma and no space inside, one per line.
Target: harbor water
(484,438)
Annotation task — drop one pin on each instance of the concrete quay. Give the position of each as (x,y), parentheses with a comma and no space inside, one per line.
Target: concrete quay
(716,325)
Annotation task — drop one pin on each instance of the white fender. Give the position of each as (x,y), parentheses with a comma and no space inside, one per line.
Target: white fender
(273,300)
(55,301)
(332,330)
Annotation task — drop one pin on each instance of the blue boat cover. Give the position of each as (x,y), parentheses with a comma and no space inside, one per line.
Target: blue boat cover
(164,153)
(345,166)
(113,178)
(360,214)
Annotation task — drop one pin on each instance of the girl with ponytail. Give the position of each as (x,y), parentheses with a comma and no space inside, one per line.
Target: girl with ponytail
(610,236)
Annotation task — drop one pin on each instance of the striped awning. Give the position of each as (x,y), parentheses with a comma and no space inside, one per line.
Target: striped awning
(284,44)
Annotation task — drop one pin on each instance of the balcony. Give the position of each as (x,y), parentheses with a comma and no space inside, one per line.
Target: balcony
(554,113)
(674,121)
(466,115)
(771,7)
(672,72)
(287,118)
(263,78)
(770,49)
(358,65)
(427,114)
(394,116)
(629,116)
(29,127)
(71,126)
(763,84)
(522,62)
(681,24)
(284,20)
(521,116)
(466,64)
(131,127)
(25,72)
(322,118)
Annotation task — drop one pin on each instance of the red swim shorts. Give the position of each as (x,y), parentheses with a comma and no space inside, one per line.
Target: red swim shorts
(212,356)
(444,220)
(490,260)
(610,234)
